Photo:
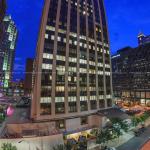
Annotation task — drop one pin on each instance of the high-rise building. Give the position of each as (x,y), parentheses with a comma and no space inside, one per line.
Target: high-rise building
(28,83)
(7,47)
(73,71)
(142,39)
(131,74)
(2,14)
(2,9)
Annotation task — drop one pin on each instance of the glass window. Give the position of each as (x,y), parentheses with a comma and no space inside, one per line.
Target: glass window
(60,124)
(84,120)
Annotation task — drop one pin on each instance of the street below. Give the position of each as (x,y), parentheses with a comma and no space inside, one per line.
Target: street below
(136,142)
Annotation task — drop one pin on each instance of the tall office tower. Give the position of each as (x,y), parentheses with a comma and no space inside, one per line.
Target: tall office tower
(7,46)
(2,14)
(73,74)
(2,9)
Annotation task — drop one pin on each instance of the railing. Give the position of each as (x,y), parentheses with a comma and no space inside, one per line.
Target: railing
(38,133)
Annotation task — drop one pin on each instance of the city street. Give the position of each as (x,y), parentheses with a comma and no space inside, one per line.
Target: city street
(136,142)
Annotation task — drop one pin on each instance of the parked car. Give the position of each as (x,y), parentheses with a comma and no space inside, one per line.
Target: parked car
(139,131)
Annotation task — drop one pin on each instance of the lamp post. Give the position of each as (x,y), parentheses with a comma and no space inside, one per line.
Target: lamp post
(26,142)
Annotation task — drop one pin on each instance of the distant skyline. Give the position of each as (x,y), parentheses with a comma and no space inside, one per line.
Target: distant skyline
(126,19)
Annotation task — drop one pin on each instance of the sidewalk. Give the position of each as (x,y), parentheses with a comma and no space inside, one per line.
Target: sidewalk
(123,139)
(114,143)
(136,142)
(2,127)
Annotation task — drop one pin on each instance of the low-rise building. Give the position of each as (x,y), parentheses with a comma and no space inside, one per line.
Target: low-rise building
(29,76)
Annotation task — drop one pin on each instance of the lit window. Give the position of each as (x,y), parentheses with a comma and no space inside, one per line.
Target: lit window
(52,37)
(59,99)
(50,28)
(58,38)
(46,36)
(64,40)
(75,42)
(46,66)
(47,56)
(70,41)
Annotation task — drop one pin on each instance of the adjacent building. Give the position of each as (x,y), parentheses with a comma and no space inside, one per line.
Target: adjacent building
(29,79)
(131,74)
(16,88)
(7,48)
(2,14)
(72,66)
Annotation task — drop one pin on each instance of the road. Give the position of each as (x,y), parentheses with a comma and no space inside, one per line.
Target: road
(136,142)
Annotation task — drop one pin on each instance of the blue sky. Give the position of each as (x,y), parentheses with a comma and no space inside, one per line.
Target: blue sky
(126,18)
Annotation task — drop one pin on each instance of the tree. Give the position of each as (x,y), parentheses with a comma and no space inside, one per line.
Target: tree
(119,123)
(115,130)
(137,120)
(8,146)
(104,136)
(2,117)
(82,143)
(94,132)
(100,138)
(68,145)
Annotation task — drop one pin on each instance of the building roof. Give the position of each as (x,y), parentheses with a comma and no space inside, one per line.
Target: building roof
(141,34)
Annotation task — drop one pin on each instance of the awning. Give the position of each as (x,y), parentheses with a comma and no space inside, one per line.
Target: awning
(114,113)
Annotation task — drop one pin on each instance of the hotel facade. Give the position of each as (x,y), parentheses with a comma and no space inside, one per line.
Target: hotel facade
(72,68)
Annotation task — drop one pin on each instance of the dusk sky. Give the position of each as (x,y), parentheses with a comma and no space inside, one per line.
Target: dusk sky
(126,18)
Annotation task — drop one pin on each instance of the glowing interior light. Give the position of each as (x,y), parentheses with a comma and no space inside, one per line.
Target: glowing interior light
(10,111)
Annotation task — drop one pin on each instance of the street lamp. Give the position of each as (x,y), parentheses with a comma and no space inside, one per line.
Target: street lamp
(26,142)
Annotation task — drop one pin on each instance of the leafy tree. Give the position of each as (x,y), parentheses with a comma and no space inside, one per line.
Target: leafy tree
(137,120)
(8,146)
(119,123)
(145,116)
(82,143)
(104,136)
(101,138)
(2,117)
(68,145)
(115,130)
(94,132)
